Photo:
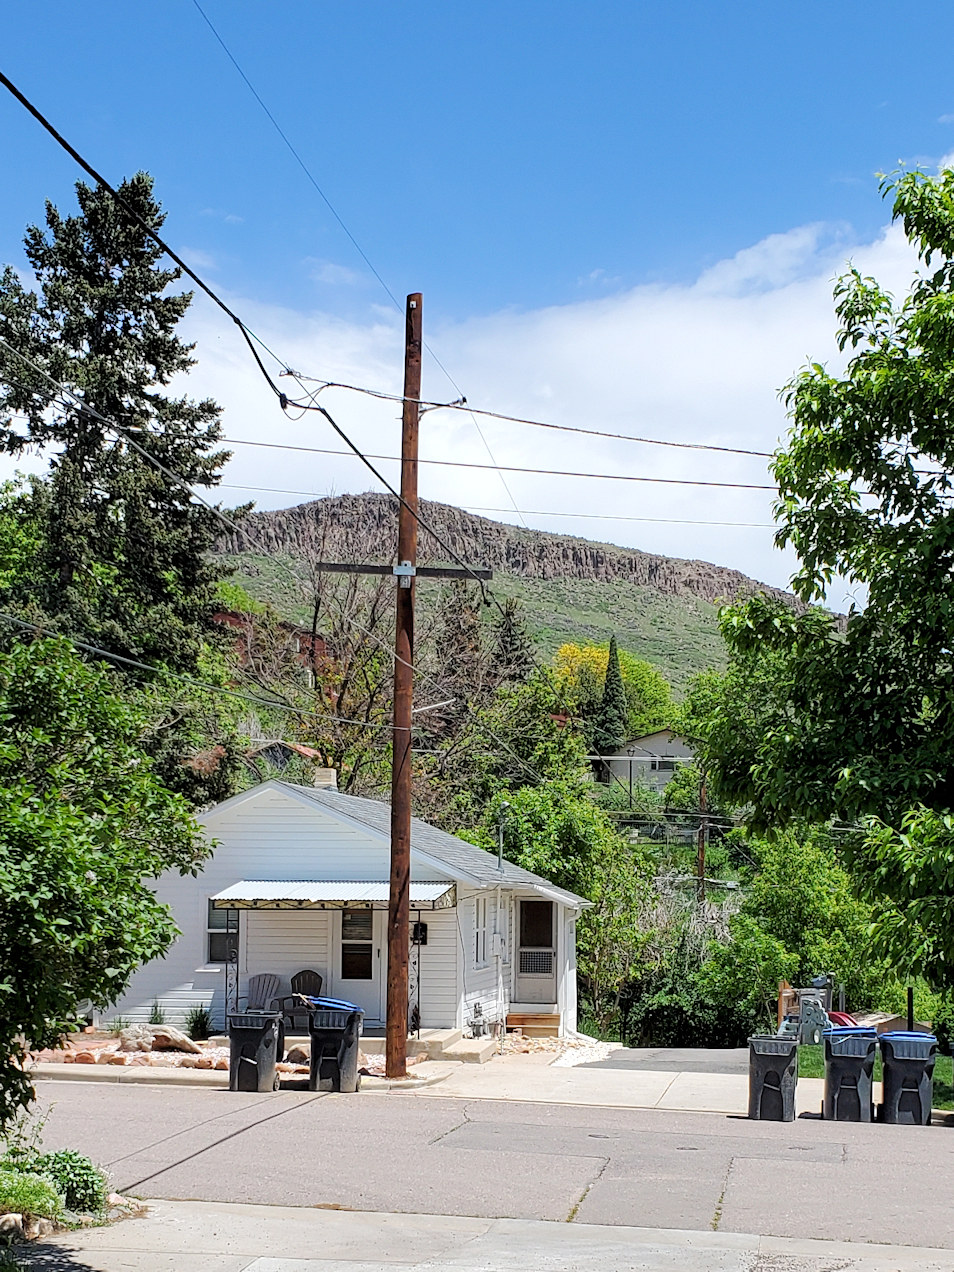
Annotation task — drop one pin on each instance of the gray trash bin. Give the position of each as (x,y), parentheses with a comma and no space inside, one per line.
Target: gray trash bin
(849,1067)
(908,1078)
(335,1029)
(773,1072)
(257,1043)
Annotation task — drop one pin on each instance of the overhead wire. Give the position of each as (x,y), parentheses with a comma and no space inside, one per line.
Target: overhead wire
(354,242)
(518,419)
(509,468)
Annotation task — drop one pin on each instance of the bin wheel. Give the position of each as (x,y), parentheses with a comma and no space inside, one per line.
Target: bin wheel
(816,1035)
(357,1085)
(276,1085)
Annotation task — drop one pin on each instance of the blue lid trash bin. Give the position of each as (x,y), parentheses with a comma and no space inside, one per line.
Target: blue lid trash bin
(335,1028)
(849,1070)
(773,1073)
(256,1044)
(908,1077)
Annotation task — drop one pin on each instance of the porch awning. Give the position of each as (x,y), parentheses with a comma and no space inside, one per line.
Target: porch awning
(337,894)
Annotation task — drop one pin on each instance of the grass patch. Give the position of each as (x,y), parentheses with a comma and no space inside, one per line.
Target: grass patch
(811,1064)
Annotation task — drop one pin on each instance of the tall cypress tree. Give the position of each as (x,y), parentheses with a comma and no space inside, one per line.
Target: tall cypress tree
(123,561)
(609,728)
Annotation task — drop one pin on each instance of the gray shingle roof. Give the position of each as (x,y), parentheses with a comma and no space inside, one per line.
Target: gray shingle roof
(456,854)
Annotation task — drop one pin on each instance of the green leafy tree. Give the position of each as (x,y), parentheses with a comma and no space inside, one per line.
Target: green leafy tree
(84,826)
(581,676)
(123,550)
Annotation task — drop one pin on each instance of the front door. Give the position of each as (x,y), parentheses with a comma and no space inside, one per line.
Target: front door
(536,953)
(358,960)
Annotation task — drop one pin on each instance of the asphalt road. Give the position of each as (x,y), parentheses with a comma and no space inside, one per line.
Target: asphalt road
(677,1059)
(488,1158)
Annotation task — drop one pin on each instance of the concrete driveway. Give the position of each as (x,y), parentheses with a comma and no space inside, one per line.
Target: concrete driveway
(422,1154)
(677,1059)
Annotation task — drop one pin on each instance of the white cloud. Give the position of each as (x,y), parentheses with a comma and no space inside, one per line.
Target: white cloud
(693,363)
(701,362)
(332,274)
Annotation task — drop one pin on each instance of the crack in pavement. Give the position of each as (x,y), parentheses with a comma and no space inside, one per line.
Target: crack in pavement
(717,1213)
(575,1208)
(217,1143)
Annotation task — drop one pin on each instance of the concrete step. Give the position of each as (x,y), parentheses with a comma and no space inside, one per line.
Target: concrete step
(472,1050)
(432,1043)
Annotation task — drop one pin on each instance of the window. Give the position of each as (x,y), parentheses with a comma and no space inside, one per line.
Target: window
(480,931)
(222,933)
(357,944)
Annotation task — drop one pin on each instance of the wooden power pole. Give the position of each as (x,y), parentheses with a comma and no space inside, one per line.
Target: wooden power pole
(399,899)
(407,572)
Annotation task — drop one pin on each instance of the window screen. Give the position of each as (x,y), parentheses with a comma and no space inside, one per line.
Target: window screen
(357,949)
(536,924)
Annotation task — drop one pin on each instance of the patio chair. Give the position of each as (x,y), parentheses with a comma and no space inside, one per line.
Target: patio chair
(293,1009)
(261,994)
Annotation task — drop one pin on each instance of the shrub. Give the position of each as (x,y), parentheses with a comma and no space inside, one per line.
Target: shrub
(83,1185)
(157,1016)
(198,1022)
(25,1193)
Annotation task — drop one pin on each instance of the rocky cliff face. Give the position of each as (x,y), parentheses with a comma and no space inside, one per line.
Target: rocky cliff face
(364,528)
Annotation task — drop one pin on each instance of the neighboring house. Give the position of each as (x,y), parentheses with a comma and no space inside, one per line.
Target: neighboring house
(649,760)
(298,879)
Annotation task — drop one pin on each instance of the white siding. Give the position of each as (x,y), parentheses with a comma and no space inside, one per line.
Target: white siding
(439,958)
(489,985)
(269,836)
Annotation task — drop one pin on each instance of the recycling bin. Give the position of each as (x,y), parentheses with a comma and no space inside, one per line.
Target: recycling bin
(335,1028)
(849,1070)
(773,1072)
(256,1044)
(908,1077)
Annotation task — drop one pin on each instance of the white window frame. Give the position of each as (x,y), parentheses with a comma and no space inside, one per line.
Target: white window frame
(480,931)
(228,928)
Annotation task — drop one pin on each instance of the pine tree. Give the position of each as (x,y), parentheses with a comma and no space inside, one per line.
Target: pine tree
(609,729)
(512,657)
(123,560)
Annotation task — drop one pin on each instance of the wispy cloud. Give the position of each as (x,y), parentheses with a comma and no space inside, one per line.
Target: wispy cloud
(332,275)
(701,362)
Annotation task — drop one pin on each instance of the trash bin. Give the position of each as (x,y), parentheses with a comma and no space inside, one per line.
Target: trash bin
(335,1027)
(849,1066)
(908,1078)
(257,1043)
(773,1072)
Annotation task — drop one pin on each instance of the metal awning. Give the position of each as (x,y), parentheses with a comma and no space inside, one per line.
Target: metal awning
(336,894)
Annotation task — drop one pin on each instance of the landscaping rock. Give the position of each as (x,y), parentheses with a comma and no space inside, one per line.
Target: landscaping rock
(11,1225)
(119,1058)
(84,1057)
(156,1038)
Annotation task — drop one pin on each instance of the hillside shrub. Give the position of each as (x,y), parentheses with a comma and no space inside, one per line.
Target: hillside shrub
(26,1193)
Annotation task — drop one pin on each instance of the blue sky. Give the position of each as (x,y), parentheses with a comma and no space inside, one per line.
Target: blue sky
(662,192)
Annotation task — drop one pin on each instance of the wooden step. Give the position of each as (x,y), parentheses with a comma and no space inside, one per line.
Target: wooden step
(535,1025)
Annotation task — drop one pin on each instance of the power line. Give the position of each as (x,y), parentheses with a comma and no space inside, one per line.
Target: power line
(517,419)
(247,333)
(43,629)
(527,512)
(507,468)
(354,242)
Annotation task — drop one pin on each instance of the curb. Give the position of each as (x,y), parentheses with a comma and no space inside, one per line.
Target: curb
(215,1079)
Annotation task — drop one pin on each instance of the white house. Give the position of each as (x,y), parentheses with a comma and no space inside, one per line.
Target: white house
(650,760)
(298,879)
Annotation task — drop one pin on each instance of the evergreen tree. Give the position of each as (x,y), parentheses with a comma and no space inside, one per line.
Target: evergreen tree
(123,554)
(609,729)
(512,657)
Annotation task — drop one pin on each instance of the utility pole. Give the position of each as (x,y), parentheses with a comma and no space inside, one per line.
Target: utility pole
(406,572)
(702,839)
(399,899)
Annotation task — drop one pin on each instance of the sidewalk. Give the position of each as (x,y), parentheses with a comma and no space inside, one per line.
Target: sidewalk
(188,1236)
(530,1079)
